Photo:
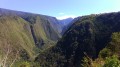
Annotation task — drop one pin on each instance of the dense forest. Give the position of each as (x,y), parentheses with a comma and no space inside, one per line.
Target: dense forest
(92,41)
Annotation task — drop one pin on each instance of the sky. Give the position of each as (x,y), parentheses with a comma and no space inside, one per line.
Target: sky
(62,8)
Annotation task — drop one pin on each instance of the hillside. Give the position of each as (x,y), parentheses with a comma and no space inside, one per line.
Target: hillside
(41,26)
(23,35)
(16,39)
(87,36)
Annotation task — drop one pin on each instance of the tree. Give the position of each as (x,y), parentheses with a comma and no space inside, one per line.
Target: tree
(114,45)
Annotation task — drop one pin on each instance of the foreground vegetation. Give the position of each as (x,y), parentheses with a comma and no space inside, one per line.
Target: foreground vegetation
(108,57)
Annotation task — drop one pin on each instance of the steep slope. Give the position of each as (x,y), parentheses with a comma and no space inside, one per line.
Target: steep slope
(23,35)
(108,56)
(68,23)
(15,39)
(41,26)
(87,36)
(56,24)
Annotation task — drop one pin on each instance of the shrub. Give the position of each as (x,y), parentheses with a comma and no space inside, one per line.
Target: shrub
(105,53)
(22,64)
(112,62)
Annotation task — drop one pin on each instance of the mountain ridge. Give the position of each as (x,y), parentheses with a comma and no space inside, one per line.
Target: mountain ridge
(26,34)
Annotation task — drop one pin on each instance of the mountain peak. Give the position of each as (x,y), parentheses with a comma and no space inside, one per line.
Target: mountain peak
(65,17)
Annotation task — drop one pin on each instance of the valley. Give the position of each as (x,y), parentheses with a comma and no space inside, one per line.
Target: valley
(35,40)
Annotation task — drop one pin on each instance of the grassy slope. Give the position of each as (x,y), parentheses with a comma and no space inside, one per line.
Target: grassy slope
(40,34)
(15,34)
(45,34)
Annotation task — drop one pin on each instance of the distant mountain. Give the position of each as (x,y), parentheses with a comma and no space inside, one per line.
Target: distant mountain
(68,24)
(88,35)
(66,21)
(65,24)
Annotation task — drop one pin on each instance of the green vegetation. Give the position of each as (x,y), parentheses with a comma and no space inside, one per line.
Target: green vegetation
(23,36)
(89,34)
(14,37)
(112,62)
(22,64)
(108,57)
(28,40)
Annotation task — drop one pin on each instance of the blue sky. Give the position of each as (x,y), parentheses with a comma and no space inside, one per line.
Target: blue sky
(62,8)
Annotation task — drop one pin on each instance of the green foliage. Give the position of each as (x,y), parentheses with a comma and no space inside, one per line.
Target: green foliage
(24,55)
(35,64)
(22,64)
(112,62)
(15,36)
(26,64)
(50,59)
(89,62)
(86,62)
(110,53)
(88,34)
(26,33)
(105,53)
(114,45)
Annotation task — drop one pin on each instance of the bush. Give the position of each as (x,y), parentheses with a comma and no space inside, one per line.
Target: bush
(112,62)
(22,64)
(105,53)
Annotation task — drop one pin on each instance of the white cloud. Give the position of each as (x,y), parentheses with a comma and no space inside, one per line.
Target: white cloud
(61,13)
(66,16)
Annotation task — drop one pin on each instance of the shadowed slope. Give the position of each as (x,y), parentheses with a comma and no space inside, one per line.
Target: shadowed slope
(88,35)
